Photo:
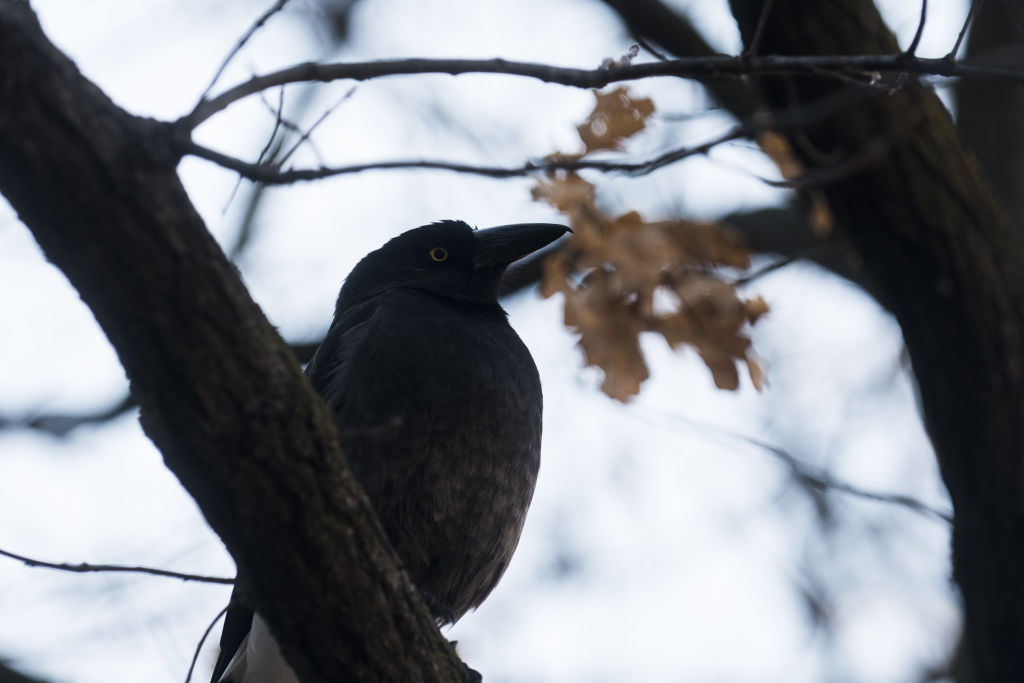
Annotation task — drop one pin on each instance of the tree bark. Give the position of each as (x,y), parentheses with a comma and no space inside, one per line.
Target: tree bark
(989,115)
(220,393)
(933,236)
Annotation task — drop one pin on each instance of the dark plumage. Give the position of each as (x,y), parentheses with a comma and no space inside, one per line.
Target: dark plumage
(438,408)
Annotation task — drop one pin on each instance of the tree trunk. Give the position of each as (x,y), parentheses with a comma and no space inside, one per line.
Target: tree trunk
(935,240)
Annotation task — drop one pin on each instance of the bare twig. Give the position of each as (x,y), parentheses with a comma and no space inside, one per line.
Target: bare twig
(975,8)
(645,44)
(810,476)
(61,425)
(279,122)
(199,646)
(304,135)
(761,272)
(699,68)
(257,25)
(920,30)
(84,568)
(270,175)
(762,21)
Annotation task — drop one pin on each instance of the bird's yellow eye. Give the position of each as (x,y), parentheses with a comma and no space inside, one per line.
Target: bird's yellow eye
(438,254)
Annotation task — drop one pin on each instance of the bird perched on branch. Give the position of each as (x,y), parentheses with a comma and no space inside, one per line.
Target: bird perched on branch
(438,408)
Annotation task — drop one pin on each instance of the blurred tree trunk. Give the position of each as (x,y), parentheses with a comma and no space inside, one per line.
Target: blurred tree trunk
(933,236)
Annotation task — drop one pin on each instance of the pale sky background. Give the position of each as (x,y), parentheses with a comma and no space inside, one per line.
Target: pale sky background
(662,544)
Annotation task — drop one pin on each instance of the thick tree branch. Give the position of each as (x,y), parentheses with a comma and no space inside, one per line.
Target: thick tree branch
(935,240)
(220,393)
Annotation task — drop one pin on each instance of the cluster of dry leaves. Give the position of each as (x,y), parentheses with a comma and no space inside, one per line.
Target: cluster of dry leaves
(623,275)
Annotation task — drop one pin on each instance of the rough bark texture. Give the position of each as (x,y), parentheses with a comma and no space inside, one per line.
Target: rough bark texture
(990,115)
(934,238)
(221,394)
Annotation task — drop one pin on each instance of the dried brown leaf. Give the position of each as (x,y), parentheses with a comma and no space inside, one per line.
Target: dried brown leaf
(609,335)
(722,366)
(756,373)
(615,117)
(566,192)
(555,274)
(755,308)
(777,148)
(820,215)
(626,259)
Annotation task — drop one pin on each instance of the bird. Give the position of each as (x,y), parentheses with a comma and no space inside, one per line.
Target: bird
(437,404)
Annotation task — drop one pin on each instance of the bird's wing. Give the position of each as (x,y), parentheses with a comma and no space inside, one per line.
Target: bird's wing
(347,331)
(258,659)
(237,623)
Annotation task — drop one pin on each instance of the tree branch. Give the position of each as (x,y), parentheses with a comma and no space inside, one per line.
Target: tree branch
(807,475)
(246,37)
(699,68)
(270,174)
(84,568)
(62,424)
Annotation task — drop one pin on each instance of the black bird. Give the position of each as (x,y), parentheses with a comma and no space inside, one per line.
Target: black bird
(438,408)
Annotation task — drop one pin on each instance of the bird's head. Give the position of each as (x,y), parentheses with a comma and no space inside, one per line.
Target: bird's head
(448,258)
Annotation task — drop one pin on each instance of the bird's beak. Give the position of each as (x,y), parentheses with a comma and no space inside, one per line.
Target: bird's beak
(503,245)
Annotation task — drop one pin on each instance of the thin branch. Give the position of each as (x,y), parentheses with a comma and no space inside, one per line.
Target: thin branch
(304,135)
(61,425)
(920,30)
(762,21)
(645,44)
(699,68)
(202,641)
(83,568)
(761,272)
(279,121)
(270,175)
(256,26)
(807,474)
(971,15)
